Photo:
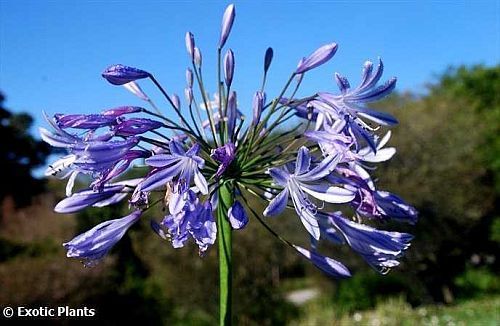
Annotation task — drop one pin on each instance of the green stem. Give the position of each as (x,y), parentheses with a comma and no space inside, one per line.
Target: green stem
(224,235)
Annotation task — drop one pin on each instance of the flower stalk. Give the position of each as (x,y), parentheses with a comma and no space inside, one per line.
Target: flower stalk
(224,230)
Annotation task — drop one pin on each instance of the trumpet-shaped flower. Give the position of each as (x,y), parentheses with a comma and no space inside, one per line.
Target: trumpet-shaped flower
(305,182)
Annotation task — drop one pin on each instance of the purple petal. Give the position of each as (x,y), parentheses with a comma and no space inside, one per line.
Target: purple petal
(278,204)
(303,161)
(160,177)
(279,176)
(328,265)
(161,160)
(136,126)
(176,148)
(116,112)
(317,58)
(84,121)
(86,198)
(342,82)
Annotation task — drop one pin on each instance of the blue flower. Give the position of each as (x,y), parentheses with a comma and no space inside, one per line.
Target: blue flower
(352,101)
(380,249)
(191,219)
(94,244)
(304,182)
(180,164)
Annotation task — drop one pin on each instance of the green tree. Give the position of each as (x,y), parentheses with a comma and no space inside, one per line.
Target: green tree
(20,153)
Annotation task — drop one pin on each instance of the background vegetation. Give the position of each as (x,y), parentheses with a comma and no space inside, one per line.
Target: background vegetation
(448,166)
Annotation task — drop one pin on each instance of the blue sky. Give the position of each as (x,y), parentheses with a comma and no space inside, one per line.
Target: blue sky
(52,52)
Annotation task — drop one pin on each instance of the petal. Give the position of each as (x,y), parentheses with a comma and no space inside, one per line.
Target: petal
(279,176)
(328,193)
(303,161)
(160,177)
(278,204)
(161,160)
(321,170)
(176,148)
(200,182)
(328,265)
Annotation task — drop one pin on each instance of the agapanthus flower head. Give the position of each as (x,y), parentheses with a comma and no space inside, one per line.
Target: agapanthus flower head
(206,160)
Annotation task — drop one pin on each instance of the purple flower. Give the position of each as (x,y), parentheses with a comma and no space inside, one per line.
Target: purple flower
(351,101)
(317,58)
(224,155)
(380,249)
(93,155)
(193,219)
(120,74)
(94,244)
(180,164)
(227,24)
(237,216)
(86,198)
(229,67)
(303,182)
(328,265)
(394,207)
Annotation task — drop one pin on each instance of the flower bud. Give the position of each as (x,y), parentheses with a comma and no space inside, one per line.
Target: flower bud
(120,74)
(190,44)
(317,58)
(267,59)
(189,78)
(259,100)
(229,67)
(197,57)
(227,24)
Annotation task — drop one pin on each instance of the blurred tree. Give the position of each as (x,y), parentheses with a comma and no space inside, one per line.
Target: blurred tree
(19,154)
(448,167)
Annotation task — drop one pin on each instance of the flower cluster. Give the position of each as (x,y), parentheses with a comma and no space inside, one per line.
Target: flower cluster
(316,167)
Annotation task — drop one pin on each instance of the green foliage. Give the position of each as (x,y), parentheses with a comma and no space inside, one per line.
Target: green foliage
(364,289)
(446,143)
(477,281)
(396,311)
